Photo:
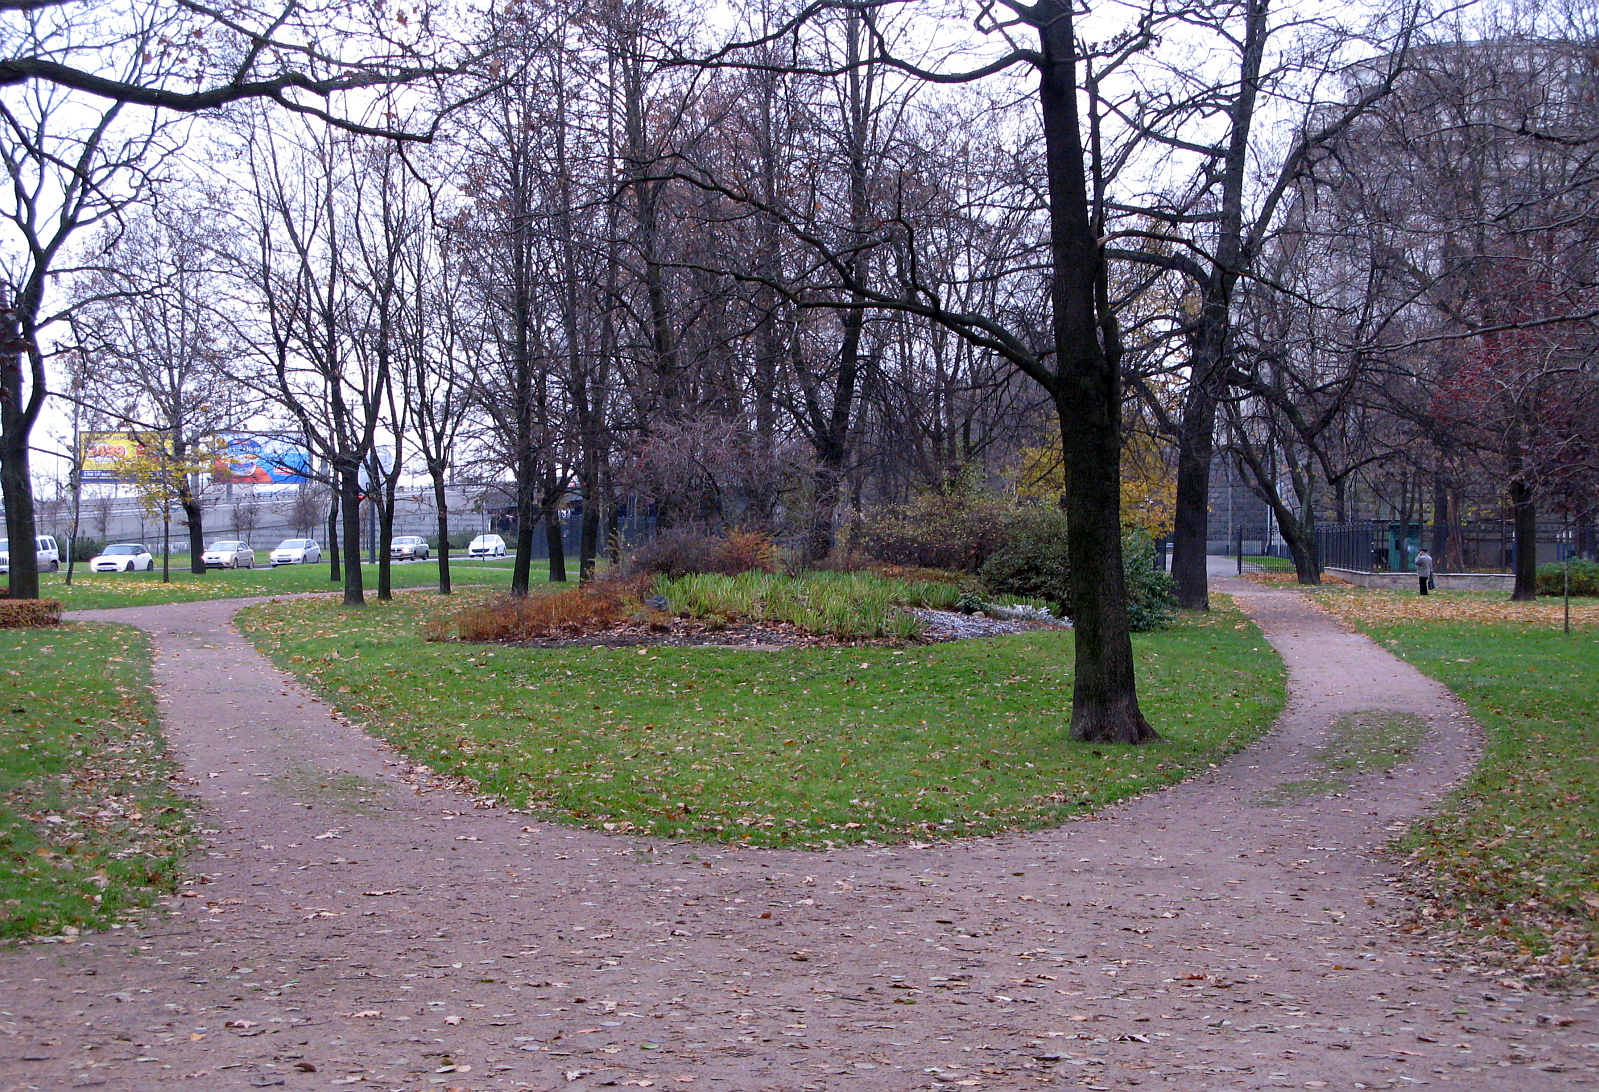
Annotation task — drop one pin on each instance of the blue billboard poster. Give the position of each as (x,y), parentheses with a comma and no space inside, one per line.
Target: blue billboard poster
(258,459)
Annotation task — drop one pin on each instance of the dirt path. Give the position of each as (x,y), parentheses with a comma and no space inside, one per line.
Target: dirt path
(346,929)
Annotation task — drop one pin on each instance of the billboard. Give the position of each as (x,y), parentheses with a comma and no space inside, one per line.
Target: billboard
(258,458)
(104,452)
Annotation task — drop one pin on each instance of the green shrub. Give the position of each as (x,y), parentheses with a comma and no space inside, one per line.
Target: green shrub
(85,548)
(1033,563)
(1584,578)
(940,530)
(1151,593)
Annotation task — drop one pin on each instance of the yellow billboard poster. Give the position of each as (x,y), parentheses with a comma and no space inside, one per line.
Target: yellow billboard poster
(104,453)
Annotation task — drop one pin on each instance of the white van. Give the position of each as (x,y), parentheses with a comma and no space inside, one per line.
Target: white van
(47,555)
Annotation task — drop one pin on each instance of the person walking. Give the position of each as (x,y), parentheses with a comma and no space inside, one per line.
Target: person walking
(1424,569)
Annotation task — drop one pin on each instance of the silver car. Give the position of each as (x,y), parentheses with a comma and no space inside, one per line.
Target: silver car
(229,555)
(408,547)
(296,551)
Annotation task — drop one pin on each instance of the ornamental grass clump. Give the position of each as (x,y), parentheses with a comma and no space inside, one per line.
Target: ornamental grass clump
(570,612)
(843,605)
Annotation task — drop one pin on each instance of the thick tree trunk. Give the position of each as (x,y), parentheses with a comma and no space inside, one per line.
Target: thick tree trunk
(381,546)
(1191,511)
(350,509)
(1087,395)
(1524,520)
(526,519)
(554,543)
(16,483)
(335,513)
(442,508)
(194,515)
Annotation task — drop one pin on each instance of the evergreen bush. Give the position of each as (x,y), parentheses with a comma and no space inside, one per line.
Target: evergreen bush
(1584,578)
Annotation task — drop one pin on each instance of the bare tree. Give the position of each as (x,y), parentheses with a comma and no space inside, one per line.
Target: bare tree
(297,273)
(150,323)
(307,508)
(1078,363)
(187,57)
(70,168)
(1478,230)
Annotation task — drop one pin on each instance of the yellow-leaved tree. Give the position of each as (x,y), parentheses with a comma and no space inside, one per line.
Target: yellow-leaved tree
(1149,487)
(157,477)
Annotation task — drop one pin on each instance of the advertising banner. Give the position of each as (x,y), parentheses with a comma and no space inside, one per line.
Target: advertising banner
(255,458)
(104,452)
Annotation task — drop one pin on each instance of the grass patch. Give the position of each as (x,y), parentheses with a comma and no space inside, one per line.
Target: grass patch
(1514,857)
(845,605)
(1364,742)
(798,747)
(320,788)
(90,827)
(101,591)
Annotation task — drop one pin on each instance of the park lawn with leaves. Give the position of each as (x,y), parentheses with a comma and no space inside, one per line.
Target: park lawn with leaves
(1514,856)
(102,591)
(91,828)
(805,747)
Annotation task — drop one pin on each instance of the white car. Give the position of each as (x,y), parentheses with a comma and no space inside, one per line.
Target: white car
(123,557)
(486,546)
(229,555)
(46,554)
(408,547)
(296,551)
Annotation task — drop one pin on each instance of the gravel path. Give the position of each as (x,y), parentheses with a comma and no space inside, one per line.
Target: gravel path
(343,927)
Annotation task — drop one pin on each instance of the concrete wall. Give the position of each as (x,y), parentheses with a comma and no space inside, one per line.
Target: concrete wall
(1504,582)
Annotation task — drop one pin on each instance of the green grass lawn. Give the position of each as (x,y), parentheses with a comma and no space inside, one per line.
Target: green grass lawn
(98,591)
(1515,853)
(90,827)
(799,747)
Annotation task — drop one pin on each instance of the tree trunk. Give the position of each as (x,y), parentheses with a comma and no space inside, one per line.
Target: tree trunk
(17,486)
(335,513)
(1524,518)
(442,510)
(350,508)
(589,543)
(381,546)
(194,515)
(16,482)
(554,542)
(526,518)
(1191,511)
(1087,396)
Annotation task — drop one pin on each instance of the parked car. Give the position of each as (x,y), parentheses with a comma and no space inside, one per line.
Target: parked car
(414,547)
(46,554)
(229,555)
(296,551)
(123,557)
(486,546)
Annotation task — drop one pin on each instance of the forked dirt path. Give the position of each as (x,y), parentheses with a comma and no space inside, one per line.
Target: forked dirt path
(365,934)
